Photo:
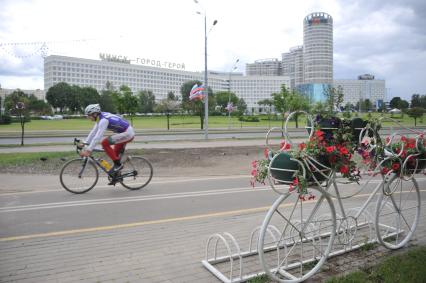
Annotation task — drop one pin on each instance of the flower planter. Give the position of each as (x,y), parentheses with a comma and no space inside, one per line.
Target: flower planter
(283,169)
(421,164)
(357,124)
(323,163)
(327,125)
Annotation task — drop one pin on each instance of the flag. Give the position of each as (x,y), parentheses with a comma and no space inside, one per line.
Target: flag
(230,107)
(196,92)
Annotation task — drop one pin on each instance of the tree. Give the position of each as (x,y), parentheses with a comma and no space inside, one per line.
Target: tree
(223,97)
(127,102)
(280,105)
(89,95)
(297,102)
(415,112)
(167,106)
(108,98)
(416,101)
(364,105)
(146,101)
(394,103)
(106,101)
(57,95)
(334,98)
(38,106)
(74,100)
(268,103)
(196,106)
(172,96)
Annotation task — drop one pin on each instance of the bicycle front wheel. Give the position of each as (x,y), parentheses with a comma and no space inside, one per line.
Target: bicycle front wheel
(79,175)
(297,236)
(136,173)
(397,212)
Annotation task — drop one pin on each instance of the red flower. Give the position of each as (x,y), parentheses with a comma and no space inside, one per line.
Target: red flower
(284,145)
(344,169)
(302,146)
(330,148)
(344,150)
(319,133)
(385,170)
(395,166)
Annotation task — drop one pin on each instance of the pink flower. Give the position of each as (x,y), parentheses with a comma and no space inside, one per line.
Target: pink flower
(266,152)
(254,172)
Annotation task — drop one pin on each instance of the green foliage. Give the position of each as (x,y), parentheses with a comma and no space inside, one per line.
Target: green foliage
(364,105)
(418,100)
(57,95)
(196,106)
(248,119)
(5,119)
(408,267)
(241,107)
(334,99)
(415,112)
(222,98)
(146,101)
(399,103)
(107,102)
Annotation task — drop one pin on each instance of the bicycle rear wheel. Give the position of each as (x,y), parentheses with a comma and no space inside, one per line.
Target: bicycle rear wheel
(397,212)
(79,175)
(297,236)
(136,173)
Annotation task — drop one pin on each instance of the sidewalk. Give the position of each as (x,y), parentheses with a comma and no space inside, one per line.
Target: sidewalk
(133,145)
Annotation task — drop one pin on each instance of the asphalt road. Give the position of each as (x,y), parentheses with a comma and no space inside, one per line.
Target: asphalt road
(110,234)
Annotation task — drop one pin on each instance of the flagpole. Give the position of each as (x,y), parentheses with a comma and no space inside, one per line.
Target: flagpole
(206,86)
(229,92)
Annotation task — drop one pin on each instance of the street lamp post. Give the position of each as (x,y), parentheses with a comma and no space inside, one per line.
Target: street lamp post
(234,67)
(206,87)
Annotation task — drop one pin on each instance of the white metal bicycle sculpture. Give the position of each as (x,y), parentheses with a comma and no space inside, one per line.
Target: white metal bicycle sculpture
(313,230)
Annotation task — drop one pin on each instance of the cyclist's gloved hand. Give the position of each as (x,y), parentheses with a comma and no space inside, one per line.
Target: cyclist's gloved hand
(85,153)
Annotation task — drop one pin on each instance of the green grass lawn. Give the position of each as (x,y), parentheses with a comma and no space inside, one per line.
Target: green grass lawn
(404,268)
(177,122)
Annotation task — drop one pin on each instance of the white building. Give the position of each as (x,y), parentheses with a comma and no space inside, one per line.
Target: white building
(366,87)
(318,49)
(161,81)
(39,93)
(264,67)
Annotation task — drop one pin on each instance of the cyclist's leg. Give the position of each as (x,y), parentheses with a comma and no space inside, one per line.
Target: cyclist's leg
(119,141)
(119,148)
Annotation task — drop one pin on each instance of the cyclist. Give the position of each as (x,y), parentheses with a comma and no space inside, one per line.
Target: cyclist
(124,133)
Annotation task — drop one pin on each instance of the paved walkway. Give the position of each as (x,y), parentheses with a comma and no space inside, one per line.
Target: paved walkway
(168,144)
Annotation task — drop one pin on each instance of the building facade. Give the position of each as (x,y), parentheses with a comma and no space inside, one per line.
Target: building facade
(161,81)
(292,65)
(318,49)
(365,87)
(264,67)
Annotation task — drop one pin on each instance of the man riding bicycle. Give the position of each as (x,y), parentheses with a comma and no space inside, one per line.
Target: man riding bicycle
(124,133)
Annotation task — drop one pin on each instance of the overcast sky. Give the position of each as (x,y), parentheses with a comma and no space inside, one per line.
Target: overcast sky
(383,38)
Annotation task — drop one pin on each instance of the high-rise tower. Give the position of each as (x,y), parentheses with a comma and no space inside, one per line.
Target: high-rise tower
(318,48)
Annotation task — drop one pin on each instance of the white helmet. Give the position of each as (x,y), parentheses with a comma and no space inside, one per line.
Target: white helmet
(92,108)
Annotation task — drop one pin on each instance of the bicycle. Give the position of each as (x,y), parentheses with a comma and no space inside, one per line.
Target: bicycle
(80,175)
(307,229)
